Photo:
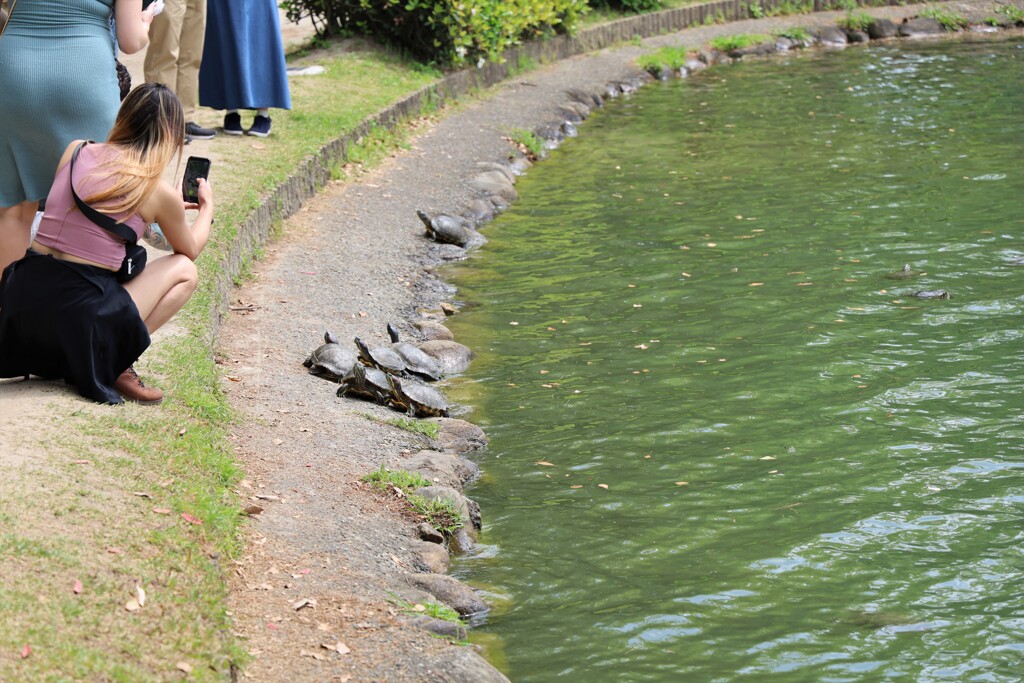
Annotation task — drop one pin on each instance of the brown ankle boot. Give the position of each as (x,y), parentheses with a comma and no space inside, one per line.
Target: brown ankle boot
(132,389)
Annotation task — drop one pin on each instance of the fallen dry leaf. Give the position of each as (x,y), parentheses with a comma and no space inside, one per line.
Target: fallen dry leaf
(682,483)
(252,510)
(545,463)
(339,647)
(141,494)
(191,519)
(184,667)
(79,462)
(162,511)
(602,486)
(140,595)
(77,587)
(25,652)
(305,602)
(132,605)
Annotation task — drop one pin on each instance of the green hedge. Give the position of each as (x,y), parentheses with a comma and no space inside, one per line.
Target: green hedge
(633,6)
(446,32)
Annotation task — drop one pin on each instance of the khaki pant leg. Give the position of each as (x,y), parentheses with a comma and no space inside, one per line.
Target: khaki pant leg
(190,56)
(161,65)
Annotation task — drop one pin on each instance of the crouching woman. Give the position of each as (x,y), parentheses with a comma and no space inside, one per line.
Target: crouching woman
(64,311)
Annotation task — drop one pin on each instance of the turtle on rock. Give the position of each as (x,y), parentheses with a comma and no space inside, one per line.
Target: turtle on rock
(381,357)
(369,384)
(418,400)
(450,230)
(416,361)
(331,360)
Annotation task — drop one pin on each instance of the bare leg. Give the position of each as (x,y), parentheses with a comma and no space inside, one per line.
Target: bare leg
(163,288)
(15,228)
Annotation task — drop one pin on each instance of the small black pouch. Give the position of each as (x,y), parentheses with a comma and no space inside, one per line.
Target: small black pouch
(134,262)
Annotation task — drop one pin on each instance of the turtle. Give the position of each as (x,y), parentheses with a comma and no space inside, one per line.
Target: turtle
(330,360)
(446,229)
(451,356)
(382,357)
(416,361)
(366,383)
(418,400)
(905,274)
(932,294)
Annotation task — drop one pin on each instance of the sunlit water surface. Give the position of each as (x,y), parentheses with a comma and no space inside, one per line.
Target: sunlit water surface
(724,446)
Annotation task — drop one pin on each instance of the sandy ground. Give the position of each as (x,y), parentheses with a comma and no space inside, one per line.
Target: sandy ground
(352,260)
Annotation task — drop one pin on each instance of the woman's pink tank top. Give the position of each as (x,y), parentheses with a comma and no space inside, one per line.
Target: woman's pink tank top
(64,227)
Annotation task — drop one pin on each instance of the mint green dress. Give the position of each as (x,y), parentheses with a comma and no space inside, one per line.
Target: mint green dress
(58,83)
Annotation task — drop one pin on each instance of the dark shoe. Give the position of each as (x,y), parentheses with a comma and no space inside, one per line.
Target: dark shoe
(198,132)
(233,123)
(188,138)
(132,389)
(260,126)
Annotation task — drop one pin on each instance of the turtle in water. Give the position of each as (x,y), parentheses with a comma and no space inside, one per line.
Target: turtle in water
(451,356)
(330,360)
(932,294)
(366,383)
(416,361)
(446,229)
(382,357)
(417,399)
(905,273)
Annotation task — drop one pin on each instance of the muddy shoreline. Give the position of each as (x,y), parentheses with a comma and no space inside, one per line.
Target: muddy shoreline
(331,567)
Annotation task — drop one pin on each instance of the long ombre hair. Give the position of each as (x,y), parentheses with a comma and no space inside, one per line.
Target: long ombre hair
(148,132)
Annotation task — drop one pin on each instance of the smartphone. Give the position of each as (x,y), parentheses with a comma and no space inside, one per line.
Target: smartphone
(195,168)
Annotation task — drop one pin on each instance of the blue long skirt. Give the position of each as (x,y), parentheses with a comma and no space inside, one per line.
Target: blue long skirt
(243,57)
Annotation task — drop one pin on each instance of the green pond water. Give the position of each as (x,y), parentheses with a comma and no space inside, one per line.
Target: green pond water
(724,445)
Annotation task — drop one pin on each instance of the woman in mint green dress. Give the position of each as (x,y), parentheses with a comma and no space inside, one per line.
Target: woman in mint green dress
(59,84)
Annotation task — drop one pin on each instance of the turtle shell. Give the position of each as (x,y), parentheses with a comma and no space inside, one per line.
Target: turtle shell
(417,399)
(446,229)
(382,357)
(416,361)
(369,384)
(331,361)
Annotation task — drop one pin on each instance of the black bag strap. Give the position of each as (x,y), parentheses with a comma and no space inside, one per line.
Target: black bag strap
(100,219)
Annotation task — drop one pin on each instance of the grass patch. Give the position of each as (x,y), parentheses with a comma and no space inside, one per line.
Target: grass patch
(385,480)
(433,609)
(856,21)
(738,41)
(671,57)
(795,33)
(425,427)
(1013,14)
(950,20)
(440,513)
(527,142)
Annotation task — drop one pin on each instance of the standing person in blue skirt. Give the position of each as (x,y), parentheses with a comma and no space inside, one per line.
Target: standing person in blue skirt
(243,63)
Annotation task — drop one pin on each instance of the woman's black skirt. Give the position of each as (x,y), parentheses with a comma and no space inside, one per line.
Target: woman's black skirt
(67,320)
